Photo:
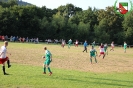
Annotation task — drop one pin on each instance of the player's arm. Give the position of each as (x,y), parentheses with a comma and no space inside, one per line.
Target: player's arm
(8,53)
(96,53)
(1,53)
(90,54)
(43,57)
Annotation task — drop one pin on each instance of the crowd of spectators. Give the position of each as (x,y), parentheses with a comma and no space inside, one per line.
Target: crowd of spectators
(19,39)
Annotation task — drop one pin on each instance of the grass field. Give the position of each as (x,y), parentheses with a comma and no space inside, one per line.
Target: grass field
(71,68)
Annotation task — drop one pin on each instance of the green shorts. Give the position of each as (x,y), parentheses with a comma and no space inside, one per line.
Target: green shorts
(124,47)
(47,62)
(93,56)
(105,50)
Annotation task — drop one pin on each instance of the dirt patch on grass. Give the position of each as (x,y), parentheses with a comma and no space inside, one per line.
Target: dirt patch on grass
(73,58)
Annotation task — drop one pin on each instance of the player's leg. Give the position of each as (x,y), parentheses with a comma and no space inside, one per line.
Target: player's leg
(8,62)
(91,59)
(113,48)
(86,49)
(48,63)
(107,52)
(124,50)
(44,68)
(3,68)
(95,59)
(104,55)
(100,54)
(68,45)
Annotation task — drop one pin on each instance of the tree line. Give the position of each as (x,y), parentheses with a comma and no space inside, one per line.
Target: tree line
(65,22)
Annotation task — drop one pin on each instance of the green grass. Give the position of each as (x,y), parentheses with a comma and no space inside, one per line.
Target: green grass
(25,76)
(71,68)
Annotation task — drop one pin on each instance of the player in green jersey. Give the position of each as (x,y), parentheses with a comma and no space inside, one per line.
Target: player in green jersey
(69,43)
(93,53)
(93,44)
(106,48)
(125,47)
(48,60)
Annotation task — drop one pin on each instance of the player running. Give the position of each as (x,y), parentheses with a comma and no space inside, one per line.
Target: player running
(92,54)
(85,46)
(3,57)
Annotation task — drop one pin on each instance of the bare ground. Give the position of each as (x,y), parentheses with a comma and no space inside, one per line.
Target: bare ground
(73,58)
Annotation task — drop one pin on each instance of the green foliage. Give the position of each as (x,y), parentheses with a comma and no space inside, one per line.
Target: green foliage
(65,22)
(128,27)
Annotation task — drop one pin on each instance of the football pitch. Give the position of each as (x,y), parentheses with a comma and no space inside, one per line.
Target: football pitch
(71,68)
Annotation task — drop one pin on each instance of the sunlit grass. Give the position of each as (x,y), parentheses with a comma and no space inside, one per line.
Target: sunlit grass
(71,68)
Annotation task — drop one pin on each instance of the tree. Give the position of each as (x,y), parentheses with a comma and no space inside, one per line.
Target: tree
(128,28)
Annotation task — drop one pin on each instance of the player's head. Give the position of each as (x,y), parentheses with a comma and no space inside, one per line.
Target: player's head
(6,43)
(45,48)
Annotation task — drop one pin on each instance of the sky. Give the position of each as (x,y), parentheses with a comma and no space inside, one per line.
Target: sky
(84,4)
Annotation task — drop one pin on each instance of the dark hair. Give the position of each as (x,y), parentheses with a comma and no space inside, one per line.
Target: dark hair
(45,48)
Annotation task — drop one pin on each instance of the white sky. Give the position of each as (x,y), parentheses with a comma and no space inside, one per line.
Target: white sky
(84,4)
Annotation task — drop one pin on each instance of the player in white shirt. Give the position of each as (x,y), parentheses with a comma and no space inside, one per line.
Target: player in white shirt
(3,57)
(102,50)
(76,43)
(112,46)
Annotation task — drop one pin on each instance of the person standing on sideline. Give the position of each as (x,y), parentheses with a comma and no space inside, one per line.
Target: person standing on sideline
(85,46)
(102,50)
(92,54)
(3,57)
(112,46)
(125,47)
(48,60)
(69,43)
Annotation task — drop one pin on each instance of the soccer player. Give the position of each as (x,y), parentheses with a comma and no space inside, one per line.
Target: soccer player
(125,47)
(48,60)
(85,46)
(76,43)
(92,54)
(106,48)
(93,44)
(102,50)
(3,57)
(63,43)
(69,43)
(112,46)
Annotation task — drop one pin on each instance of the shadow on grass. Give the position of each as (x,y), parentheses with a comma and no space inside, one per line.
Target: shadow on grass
(87,80)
